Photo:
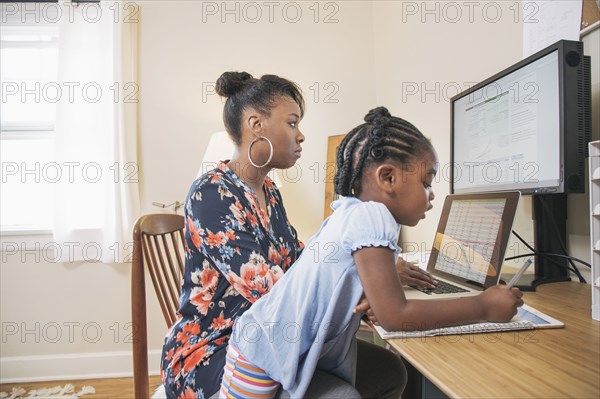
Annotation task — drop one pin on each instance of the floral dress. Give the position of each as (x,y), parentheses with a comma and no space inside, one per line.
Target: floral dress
(235,252)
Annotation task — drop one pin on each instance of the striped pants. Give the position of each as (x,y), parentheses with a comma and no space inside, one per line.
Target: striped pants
(241,379)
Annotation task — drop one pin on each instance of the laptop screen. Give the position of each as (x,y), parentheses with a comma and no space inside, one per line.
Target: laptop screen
(472,237)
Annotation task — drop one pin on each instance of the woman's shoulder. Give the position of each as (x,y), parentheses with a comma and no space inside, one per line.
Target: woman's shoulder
(216,175)
(213,178)
(214,184)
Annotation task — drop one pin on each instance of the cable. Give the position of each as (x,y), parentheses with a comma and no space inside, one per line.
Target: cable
(558,235)
(523,241)
(551,254)
(581,278)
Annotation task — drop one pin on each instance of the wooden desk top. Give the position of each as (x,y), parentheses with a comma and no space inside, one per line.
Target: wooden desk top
(552,363)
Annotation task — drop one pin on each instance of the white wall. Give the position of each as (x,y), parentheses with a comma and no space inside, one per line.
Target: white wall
(429,59)
(185,54)
(366,55)
(431,50)
(184,47)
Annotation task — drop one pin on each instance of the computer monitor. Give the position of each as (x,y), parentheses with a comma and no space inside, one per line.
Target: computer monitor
(526,128)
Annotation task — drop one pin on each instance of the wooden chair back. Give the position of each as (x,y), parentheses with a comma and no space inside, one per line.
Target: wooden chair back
(157,247)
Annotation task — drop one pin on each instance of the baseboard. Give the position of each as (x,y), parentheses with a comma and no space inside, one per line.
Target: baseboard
(79,366)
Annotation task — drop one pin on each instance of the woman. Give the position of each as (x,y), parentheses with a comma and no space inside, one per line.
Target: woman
(239,242)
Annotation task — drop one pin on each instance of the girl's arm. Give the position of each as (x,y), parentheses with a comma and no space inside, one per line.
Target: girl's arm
(384,292)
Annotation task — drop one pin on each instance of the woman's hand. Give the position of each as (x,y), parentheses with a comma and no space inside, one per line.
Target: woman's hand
(364,307)
(411,274)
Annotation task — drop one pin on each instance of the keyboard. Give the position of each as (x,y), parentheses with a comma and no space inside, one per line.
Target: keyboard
(442,288)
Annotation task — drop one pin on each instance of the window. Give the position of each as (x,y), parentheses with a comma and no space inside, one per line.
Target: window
(28,75)
(67,139)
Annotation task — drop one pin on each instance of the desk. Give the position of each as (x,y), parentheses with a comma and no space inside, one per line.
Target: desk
(553,363)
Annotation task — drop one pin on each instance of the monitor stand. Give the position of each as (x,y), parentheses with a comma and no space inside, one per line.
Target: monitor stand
(550,227)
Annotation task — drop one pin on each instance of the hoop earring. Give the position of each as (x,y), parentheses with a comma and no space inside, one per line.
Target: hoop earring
(257,139)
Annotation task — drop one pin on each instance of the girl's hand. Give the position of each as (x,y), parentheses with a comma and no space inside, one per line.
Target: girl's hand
(364,307)
(411,274)
(500,303)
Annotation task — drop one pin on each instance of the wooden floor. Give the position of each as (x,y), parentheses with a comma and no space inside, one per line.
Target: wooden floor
(113,388)
(117,388)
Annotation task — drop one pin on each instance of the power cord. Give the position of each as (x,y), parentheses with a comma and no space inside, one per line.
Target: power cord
(560,240)
(549,256)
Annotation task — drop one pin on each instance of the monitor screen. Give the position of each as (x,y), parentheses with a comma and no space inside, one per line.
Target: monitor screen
(526,129)
(506,133)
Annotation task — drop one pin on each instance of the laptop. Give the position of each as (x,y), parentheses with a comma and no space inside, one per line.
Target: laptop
(469,244)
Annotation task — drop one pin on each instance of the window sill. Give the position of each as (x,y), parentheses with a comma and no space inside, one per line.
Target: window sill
(24,231)
(17,239)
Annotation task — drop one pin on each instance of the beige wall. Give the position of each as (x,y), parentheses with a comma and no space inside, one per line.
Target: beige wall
(184,55)
(428,58)
(365,57)
(184,47)
(424,55)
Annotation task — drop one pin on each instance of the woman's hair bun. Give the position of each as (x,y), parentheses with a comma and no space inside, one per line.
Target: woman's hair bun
(378,115)
(230,83)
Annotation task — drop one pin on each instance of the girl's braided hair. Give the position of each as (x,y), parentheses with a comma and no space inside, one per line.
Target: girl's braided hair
(382,137)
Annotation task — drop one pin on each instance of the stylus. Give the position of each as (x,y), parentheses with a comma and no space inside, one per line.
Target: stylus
(517,276)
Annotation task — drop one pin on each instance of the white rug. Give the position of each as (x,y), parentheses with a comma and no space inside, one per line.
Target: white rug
(160,393)
(66,392)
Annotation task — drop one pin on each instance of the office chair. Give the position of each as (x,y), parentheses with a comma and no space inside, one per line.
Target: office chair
(158,247)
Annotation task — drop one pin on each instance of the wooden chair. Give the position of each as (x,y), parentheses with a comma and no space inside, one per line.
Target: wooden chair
(158,247)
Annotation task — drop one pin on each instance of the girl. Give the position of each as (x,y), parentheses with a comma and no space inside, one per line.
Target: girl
(385,168)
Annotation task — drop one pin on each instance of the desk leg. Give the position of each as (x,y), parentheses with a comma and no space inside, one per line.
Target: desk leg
(414,384)
(419,387)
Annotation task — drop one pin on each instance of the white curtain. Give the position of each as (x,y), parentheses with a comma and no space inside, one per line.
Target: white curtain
(97,203)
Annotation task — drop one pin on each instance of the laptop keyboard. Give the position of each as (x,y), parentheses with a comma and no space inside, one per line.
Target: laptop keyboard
(442,288)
